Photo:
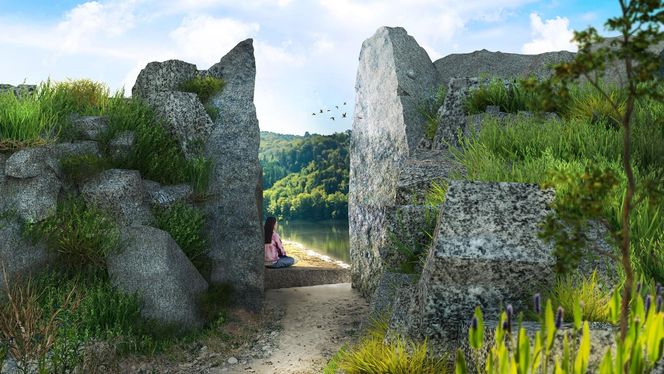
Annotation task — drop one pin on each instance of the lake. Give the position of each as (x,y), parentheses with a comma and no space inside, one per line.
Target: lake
(326,237)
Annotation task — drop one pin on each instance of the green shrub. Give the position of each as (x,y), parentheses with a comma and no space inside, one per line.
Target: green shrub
(80,235)
(429,110)
(511,99)
(572,289)
(156,152)
(372,356)
(204,87)
(185,224)
(79,168)
(587,104)
(25,122)
(212,111)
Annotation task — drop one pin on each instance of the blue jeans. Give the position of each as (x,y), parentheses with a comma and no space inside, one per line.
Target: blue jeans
(283,262)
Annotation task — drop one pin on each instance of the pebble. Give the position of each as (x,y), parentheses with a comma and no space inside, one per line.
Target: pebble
(232,360)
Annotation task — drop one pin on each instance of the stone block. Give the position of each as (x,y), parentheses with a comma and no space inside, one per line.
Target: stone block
(90,127)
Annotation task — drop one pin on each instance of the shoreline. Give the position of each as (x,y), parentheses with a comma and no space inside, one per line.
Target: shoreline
(309,257)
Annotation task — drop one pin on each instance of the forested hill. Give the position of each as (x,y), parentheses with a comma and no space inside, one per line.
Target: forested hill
(305,177)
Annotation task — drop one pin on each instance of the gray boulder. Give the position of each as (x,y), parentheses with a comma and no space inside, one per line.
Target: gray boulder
(382,300)
(394,76)
(185,117)
(162,76)
(233,225)
(153,266)
(485,252)
(165,196)
(498,64)
(18,255)
(30,184)
(452,115)
(120,193)
(90,127)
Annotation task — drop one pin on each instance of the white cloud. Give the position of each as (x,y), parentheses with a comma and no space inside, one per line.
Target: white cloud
(89,21)
(204,39)
(550,35)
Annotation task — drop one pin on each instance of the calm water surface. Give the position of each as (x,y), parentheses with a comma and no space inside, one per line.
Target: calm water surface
(326,237)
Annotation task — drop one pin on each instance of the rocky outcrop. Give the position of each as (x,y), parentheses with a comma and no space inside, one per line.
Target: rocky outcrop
(165,196)
(395,74)
(233,209)
(231,144)
(120,147)
(153,266)
(19,90)
(182,113)
(90,127)
(498,65)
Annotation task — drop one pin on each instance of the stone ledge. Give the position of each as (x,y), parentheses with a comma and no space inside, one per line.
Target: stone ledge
(300,276)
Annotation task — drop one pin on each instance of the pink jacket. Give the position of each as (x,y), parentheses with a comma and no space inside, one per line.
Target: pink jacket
(274,249)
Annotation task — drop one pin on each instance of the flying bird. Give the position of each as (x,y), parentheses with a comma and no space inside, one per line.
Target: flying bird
(343,115)
(332,118)
(313,114)
(328,110)
(336,106)
(321,110)
(344,103)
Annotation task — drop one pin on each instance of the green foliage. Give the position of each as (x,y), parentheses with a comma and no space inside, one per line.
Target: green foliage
(156,153)
(570,154)
(79,235)
(413,248)
(79,168)
(204,87)
(25,121)
(310,176)
(372,356)
(81,96)
(436,194)
(571,290)
(587,104)
(185,224)
(429,110)
(510,99)
(212,111)
(638,353)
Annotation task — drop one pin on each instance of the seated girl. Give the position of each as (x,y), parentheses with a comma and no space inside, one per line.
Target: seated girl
(275,254)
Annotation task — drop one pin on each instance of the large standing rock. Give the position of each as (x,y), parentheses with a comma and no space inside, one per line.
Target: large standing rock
(485,252)
(153,266)
(234,227)
(394,76)
(498,65)
(120,193)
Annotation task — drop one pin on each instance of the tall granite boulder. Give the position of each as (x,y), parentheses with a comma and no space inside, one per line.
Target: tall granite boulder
(233,209)
(154,266)
(498,64)
(182,112)
(394,75)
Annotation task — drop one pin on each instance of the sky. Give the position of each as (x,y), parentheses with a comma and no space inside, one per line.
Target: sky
(306,50)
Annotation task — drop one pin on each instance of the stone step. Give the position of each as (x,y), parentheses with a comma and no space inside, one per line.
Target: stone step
(417,174)
(302,276)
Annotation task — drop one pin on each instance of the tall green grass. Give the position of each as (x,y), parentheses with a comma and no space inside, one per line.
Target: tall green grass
(429,110)
(529,149)
(25,121)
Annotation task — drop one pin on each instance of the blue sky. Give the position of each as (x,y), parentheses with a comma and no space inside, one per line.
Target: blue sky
(306,50)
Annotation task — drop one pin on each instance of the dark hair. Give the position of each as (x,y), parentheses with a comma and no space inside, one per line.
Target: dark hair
(269,229)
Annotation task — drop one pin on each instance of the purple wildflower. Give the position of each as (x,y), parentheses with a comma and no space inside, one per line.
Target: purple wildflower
(638,287)
(659,303)
(658,289)
(559,317)
(648,303)
(473,323)
(537,302)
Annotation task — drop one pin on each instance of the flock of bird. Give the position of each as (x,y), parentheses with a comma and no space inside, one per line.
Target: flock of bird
(343,115)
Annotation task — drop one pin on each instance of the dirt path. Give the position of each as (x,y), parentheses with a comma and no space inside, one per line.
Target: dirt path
(316,322)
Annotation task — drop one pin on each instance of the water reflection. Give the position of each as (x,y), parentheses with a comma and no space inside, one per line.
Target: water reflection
(326,237)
